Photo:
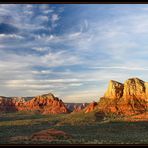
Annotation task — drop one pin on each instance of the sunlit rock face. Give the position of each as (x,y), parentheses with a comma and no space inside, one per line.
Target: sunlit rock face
(108,103)
(128,98)
(115,90)
(134,99)
(146,90)
(92,106)
(134,89)
(45,104)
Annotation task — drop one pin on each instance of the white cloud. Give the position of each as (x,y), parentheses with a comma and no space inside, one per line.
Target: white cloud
(46,9)
(83,96)
(25,16)
(86,24)
(41,48)
(76,84)
(11,36)
(46,81)
(42,18)
(54,18)
(60,58)
(122,68)
(28,12)
(73,35)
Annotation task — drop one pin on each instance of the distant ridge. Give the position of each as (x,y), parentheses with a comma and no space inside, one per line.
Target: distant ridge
(44,104)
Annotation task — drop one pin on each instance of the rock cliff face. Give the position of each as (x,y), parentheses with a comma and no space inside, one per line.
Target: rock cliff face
(91,107)
(115,90)
(134,88)
(128,98)
(45,104)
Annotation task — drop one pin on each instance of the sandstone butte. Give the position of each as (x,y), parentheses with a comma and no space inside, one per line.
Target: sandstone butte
(45,104)
(129,98)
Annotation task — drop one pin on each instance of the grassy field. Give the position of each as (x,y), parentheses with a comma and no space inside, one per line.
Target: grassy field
(84,128)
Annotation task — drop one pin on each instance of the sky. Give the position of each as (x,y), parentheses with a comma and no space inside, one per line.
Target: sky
(71,50)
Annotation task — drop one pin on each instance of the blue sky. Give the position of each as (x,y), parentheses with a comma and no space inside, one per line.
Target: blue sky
(71,50)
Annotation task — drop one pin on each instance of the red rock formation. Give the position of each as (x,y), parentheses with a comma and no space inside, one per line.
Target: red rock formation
(127,99)
(10,104)
(91,107)
(45,104)
(115,90)
(48,135)
(108,106)
(134,88)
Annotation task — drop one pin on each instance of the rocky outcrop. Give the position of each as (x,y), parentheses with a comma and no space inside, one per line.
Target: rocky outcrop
(128,98)
(75,107)
(50,135)
(91,107)
(115,90)
(45,136)
(11,104)
(134,99)
(45,104)
(134,88)
(146,89)
(107,105)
